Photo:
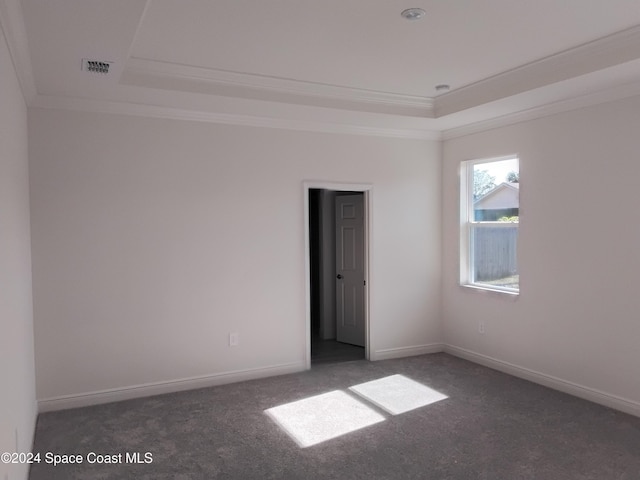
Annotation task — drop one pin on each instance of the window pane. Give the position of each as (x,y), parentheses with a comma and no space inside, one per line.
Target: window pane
(494,256)
(496,191)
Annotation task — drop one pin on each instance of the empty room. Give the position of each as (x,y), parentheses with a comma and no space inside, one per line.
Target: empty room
(319,239)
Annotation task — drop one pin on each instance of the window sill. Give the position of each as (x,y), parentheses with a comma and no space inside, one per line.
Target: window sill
(481,289)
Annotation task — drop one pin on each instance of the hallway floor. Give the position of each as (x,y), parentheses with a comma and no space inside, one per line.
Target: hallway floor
(332,351)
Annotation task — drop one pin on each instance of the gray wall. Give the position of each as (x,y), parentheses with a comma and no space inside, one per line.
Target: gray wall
(17,398)
(153,239)
(576,319)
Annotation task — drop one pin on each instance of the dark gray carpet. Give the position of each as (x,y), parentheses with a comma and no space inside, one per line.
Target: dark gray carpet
(491,427)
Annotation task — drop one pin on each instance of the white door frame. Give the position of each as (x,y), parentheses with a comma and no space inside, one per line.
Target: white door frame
(367,190)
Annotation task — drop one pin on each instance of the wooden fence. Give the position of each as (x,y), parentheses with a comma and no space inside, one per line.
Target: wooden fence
(495,253)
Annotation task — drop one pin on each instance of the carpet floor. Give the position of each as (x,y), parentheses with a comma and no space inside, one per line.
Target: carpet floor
(481,425)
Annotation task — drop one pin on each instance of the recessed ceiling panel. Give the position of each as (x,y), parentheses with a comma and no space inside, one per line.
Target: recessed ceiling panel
(366,44)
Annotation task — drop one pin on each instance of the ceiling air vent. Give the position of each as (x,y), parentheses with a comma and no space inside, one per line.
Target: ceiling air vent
(95,66)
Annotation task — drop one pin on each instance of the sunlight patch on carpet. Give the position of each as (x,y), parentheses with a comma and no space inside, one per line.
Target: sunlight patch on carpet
(397,394)
(316,419)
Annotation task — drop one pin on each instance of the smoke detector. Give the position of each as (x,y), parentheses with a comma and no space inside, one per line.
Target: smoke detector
(95,66)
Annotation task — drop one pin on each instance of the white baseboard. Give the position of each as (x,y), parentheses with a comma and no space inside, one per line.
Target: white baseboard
(118,394)
(149,389)
(389,353)
(612,401)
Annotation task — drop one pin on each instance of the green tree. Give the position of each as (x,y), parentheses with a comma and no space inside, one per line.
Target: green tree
(482,183)
(513,177)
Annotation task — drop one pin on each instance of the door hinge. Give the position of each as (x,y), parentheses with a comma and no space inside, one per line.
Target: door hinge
(365,283)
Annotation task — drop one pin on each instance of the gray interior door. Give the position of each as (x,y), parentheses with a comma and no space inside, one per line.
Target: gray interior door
(350,279)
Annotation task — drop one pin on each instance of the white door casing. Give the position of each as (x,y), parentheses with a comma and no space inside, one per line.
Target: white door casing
(350,271)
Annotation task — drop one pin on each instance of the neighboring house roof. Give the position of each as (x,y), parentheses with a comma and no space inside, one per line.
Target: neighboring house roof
(506,195)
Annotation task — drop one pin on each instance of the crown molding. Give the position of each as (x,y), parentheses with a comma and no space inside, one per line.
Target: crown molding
(171,76)
(582,101)
(15,33)
(155,111)
(605,52)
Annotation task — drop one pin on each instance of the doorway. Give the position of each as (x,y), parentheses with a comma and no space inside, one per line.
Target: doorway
(337,239)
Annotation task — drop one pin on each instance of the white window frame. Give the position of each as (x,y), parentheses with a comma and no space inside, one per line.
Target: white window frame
(468,223)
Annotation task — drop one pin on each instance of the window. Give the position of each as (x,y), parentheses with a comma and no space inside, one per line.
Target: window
(489,219)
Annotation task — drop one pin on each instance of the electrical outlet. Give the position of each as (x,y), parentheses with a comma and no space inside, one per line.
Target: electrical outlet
(481,326)
(233,339)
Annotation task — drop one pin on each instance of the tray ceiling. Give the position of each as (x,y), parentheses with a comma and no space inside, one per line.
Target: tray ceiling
(334,62)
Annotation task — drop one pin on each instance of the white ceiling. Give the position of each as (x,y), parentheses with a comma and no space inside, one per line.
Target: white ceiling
(330,62)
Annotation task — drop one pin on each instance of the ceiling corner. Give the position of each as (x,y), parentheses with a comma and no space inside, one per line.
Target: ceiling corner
(15,33)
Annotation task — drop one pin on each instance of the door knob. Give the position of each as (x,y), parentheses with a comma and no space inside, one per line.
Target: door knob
(339,277)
